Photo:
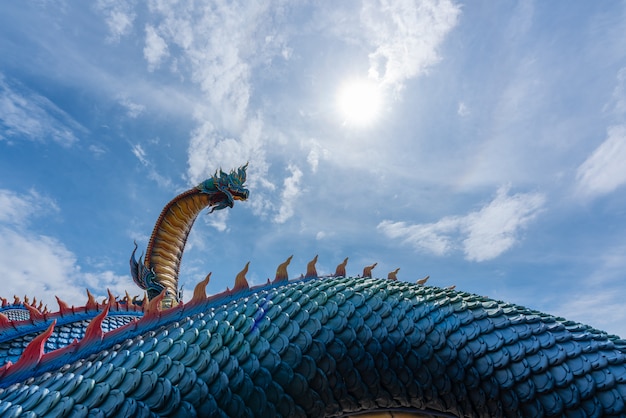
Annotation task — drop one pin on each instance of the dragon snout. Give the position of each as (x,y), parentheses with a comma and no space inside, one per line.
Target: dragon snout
(241,194)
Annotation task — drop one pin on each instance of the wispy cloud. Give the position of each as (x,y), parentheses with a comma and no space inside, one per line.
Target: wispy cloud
(406,35)
(316,152)
(17,210)
(603,171)
(35,262)
(153,174)
(133,110)
(25,114)
(217,46)
(119,17)
(481,235)
(290,192)
(155,50)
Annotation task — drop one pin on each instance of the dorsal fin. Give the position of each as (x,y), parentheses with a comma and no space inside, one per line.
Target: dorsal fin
(199,292)
(241,283)
(311,271)
(281,271)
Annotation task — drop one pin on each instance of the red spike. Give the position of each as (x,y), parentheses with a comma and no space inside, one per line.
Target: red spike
(94,333)
(35,315)
(199,292)
(241,283)
(91,302)
(112,300)
(4,301)
(64,309)
(5,322)
(34,350)
(17,300)
(5,367)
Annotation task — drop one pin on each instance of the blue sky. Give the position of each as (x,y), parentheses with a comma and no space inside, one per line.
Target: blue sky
(491,157)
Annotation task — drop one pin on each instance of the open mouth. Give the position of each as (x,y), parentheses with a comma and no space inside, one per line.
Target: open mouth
(241,195)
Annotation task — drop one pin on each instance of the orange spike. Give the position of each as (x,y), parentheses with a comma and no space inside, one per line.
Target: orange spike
(452,287)
(199,292)
(33,352)
(91,302)
(112,299)
(26,301)
(311,271)
(17,300)
(423,281)
(393,275)
(94,329)
(367,271)
(341,268)
(153,307)
(281,271)
(241,283)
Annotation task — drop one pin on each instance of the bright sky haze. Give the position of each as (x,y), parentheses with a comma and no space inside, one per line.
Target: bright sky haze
(481,143)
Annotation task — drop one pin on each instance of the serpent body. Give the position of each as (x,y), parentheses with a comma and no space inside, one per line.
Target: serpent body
(315,347)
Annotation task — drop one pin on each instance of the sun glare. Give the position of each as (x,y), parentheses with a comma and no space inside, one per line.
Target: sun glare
(359,102)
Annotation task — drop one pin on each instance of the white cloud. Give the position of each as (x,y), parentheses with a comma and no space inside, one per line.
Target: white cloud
(153,174)
(28,115)
(42,266)
(155,49)
(35,262)
(482,235)
(291,190)
(218,220)
(18,209)
(603,171)
(618,102)
(316,152)
(133,110)
(462,110)
(218,45)
(119,17)
(406,35)
(138,152)
(496,227)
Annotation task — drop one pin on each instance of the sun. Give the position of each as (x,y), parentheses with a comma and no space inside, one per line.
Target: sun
(359,101)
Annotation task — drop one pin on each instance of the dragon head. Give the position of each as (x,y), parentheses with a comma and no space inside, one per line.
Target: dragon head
(226,187)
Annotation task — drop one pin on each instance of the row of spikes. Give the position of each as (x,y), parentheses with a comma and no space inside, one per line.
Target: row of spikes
(34,358)
(136,305)
(340,271)
(17,302)
(36,314)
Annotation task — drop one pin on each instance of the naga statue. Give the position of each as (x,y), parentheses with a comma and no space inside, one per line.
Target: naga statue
(315,346)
